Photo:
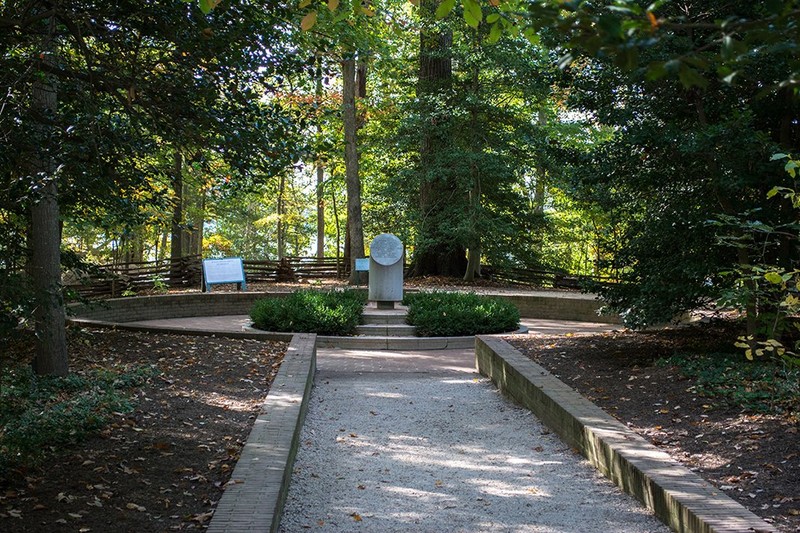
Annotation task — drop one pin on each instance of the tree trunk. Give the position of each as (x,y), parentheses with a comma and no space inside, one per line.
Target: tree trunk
(354,223)
(176,242)
(195,200)
(163,250)
(346,252)
(281,229)
(540,189)
(474,252)
(320,210)
(199,223)
(435,253)
(339,269)
(320,169)
(45,242)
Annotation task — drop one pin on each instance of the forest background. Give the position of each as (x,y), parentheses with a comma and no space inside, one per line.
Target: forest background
(649,144)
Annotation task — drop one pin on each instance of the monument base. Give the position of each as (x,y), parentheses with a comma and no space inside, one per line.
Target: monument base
(384,305)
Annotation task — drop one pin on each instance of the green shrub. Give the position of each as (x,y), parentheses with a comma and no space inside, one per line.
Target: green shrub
(763,386)
(323,312)
(42,413)
(450,314)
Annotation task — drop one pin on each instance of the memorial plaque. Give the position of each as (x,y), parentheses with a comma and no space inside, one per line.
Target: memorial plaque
(386,249)
(386,270)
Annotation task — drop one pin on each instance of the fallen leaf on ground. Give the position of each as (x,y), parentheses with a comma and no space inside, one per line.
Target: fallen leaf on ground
(202,518)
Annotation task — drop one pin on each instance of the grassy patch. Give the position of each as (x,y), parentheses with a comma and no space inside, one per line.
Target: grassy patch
(309,311)
(42,413)
(732,381)
(450,314)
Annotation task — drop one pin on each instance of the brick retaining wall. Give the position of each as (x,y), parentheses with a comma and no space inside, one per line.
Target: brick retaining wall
(254,497)
(554,306)
(678,496)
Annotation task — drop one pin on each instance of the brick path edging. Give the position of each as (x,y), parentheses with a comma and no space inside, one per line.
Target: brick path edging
(254,497)
(678,496)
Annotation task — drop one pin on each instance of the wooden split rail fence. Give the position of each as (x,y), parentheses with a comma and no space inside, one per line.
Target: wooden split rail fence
(115,280)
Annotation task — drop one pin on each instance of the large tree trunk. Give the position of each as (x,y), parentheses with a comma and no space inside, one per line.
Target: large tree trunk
(474,252)
(435,253)
(196,213)
(45,242)
(354,222)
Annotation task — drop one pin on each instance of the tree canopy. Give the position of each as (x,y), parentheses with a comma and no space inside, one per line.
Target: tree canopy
(626,141)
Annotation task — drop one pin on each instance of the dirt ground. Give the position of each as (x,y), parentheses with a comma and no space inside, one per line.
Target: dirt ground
(162,467)
(754,458)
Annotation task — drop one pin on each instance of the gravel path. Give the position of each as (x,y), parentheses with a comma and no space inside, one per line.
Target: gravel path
(400,452)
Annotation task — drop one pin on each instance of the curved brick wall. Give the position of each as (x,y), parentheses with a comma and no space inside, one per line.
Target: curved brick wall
(547,305)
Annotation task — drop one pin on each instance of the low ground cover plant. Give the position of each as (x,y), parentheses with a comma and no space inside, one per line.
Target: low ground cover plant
(762,386)
(40,413)
(336,312)
(449,314)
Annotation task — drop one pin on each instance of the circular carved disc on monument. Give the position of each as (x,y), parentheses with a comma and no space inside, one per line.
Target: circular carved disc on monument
(386,249)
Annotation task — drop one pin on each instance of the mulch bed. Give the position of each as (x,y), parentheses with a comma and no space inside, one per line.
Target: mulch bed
(754,458)
(162,467)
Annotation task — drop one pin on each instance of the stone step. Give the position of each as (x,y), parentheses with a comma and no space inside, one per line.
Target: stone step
(385,330)
(387,316)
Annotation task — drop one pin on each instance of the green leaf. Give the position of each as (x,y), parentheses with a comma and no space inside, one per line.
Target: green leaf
(471,20)
(445,8)
(656,71)
(473,13)
(531,35)
(207,5)
(774,278)
(691,78)
(772,192)
(492,18)
(775,157)
(495,33)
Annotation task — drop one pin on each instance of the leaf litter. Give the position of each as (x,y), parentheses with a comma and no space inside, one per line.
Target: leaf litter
(752,457)
(163,466)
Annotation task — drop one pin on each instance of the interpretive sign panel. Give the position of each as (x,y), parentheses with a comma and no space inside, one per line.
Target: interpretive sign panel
(228,270)
(362,265)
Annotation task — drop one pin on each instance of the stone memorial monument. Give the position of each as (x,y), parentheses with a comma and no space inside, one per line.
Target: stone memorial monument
(386,270)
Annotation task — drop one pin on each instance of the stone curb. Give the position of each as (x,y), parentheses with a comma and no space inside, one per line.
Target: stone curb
(678,496)
(254,497)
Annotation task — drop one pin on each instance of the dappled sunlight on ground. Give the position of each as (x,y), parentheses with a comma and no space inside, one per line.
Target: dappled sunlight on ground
(441,453)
